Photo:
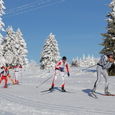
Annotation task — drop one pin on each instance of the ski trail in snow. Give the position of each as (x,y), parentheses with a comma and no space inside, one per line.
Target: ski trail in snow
(46,106)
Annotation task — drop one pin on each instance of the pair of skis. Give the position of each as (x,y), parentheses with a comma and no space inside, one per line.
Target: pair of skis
(51,90)
(93,94)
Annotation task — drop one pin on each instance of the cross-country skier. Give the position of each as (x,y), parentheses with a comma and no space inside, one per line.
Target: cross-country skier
(17,72)
(61,69)
(5,74)
(104,63)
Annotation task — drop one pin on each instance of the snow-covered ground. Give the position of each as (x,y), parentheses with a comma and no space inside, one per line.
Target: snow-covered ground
(27,98)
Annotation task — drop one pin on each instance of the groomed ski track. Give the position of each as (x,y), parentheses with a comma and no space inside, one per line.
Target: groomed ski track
(47,108)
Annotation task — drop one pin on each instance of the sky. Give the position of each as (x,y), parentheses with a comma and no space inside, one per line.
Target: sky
(76,24)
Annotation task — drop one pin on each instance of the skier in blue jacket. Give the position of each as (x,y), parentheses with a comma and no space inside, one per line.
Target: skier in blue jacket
(103,65)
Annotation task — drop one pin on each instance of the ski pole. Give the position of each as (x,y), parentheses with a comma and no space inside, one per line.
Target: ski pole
(89,67)
(43,82)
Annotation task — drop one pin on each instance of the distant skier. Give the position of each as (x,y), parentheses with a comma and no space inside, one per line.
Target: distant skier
(61,69)
(17,73)
(104,63)
(5,75)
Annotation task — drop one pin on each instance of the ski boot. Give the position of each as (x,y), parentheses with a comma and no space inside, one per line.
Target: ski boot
(93,90)
(5,86)
(63,90)
(16,82)
(52,87)
(107,93)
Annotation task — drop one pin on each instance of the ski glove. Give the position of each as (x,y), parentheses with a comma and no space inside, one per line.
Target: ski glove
(68,74)
(61,69)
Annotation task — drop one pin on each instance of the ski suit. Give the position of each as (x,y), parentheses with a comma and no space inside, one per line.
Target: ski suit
(17,73)
(61,69)
(102,67)
(4,75)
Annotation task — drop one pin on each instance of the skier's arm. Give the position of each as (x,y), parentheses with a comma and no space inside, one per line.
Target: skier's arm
(57,65)
(2,67)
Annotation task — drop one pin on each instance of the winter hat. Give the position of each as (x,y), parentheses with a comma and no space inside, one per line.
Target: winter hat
(64,58)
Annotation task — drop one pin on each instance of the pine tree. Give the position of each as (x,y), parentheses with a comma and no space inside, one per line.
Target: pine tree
(50,54)
(74,62)
(87,61)
(109,36)
(21,47)
(14,48)
(2,7)
(2,60)
(8,46)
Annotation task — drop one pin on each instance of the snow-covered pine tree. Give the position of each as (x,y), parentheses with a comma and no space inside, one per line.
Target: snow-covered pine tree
(2,7)
(21,47)
(74,62)
(8,46)
(109,36)
(2,60)
(87,61)
(14,48)
(50,54)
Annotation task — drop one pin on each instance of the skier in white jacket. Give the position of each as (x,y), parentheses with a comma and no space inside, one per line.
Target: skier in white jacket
(103,65)
(61,69)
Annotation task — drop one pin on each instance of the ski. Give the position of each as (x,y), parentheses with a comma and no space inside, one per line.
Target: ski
(92,94)
(108,94)
(105,94)
(53,90)
(63,91)
(48,90)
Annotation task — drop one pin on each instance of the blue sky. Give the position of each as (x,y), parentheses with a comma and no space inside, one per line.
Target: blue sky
(77,24)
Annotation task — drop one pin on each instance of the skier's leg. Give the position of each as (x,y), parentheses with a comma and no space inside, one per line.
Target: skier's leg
(105,75)
(53,81)
(16,77)
(5,79)
(99,70)
(9,77)
(63,81)
(1,79)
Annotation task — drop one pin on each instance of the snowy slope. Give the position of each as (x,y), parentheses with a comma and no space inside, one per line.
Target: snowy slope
(27,98)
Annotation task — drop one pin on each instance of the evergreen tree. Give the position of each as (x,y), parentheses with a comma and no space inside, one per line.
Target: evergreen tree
(2,60)
(21,49)
(2,7)
(9,46)
(50,54)
(74,62)
(109,36)
(87,61)
(14,47)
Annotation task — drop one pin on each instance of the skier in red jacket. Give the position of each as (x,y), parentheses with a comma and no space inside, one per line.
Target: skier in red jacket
(5,75)
(61,69)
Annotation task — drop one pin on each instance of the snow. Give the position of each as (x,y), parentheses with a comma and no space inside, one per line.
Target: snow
(27,98)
